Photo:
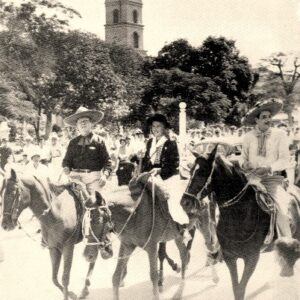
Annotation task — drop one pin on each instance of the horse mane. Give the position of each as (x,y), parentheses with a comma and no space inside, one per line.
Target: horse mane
(232,169)
(63,206)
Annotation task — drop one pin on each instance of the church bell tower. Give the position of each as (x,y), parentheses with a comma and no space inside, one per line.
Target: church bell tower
(124,23)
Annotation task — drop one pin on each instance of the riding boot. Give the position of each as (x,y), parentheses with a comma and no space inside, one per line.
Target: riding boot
(283,225)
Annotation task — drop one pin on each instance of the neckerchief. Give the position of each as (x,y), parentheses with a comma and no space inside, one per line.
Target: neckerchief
(262,141)
(85,140)
(154,146)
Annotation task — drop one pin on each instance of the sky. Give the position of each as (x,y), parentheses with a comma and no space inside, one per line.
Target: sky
(259,27)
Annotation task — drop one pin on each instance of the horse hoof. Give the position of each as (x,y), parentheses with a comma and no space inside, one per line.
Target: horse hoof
(72,296)
(84,293)
(178,269)
(160,288)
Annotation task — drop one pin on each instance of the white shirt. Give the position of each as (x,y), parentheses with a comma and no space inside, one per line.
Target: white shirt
(277,150)
(41,172)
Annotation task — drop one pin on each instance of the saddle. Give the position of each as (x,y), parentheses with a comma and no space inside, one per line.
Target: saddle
(145,180)
(266,202)
(75,187)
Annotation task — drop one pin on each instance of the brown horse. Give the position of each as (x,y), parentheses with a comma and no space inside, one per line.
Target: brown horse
(141,222)
(60,220)
(243,225)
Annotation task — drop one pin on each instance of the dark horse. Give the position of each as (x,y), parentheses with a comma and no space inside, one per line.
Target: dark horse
(60,219)
(142,222)
(242,226)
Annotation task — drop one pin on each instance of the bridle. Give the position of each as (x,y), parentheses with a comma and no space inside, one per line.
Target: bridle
(198,196)
(88,231)
(15,206)
(227,203)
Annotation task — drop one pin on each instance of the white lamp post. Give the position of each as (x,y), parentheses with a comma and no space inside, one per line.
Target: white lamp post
(182,127)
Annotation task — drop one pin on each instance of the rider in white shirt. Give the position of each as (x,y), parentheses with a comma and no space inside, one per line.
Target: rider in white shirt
(266,153)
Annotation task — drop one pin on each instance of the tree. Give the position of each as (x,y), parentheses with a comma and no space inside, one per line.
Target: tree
(178,54)
(84,75)
(281,73)
(213,79)
(28,33)
(204,98)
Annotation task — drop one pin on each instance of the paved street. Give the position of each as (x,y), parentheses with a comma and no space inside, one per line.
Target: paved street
(26,274)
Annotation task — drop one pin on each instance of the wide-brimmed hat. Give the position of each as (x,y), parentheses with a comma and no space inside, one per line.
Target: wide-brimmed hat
(158,118)
(272,105)
(82,112)
(35,152)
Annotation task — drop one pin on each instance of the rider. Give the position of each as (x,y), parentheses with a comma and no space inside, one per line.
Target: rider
(161,159)
(266,153)
(87,159)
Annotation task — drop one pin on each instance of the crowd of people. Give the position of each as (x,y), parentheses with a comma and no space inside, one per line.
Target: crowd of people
(27,155)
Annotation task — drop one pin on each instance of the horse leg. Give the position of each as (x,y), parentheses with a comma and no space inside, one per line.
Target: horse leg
(85,290)
(124,273)
(161,257)
(250,265)
(68,259)
(189,246)
(232,266)
(124,254)
(210,237)
(184,255)
(152,255)
(55,256)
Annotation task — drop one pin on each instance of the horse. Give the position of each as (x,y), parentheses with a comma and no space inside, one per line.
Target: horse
(243,225)
(142,222)
(60,220)
(97,237)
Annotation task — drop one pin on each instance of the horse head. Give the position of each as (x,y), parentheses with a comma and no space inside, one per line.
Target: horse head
(97,227)
(199,185)
(213,173)
(14,201)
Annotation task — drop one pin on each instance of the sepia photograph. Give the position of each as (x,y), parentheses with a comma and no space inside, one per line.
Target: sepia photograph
(149,150)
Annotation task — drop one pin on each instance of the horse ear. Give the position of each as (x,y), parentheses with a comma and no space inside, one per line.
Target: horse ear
(99,199)
(13,175)
(212,155)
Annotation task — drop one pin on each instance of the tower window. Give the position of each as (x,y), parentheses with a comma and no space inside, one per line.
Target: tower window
(136,40)
(135,16)
(116,17)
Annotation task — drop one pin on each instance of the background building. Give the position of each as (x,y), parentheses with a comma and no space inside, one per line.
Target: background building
(124,23)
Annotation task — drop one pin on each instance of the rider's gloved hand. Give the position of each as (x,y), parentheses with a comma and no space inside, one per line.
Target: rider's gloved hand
(155,171)
(103,179)
(263,171)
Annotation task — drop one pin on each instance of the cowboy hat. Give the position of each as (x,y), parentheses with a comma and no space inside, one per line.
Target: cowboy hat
(158,118)
(94,115)
(272,105)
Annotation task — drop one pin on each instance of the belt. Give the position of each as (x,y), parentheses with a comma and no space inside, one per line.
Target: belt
(84,170)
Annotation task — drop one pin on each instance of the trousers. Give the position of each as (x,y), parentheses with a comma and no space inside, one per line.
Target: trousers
(281,198)
(91,180)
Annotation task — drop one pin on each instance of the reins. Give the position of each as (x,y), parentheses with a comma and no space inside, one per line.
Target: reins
(227,203)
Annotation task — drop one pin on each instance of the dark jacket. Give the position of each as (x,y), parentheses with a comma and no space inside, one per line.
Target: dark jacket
(169,159)
(87,153)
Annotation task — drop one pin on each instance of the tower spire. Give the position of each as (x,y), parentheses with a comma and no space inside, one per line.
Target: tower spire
(124,23)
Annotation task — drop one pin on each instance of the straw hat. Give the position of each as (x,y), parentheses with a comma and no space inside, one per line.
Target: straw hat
(94,115)
(272,105)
